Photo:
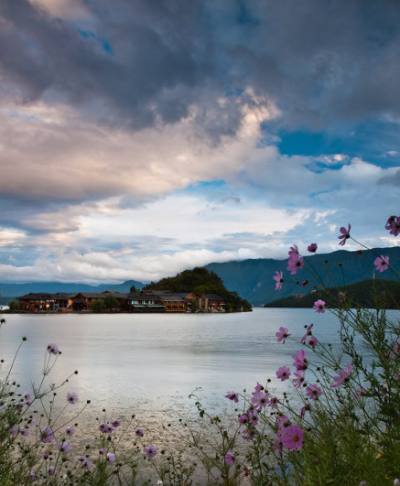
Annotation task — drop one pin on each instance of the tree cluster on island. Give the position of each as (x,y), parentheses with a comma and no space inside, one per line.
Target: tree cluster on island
(201,281)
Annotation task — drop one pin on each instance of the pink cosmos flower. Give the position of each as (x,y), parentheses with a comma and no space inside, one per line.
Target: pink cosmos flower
(70,431)
(51,470)
(343,376)
(253,417)
(53,349)
(86,463)
(279,280)
(232,396)
(294,250)
(25,431)
(308,333)
(248,435)
(150,451)
(283,373)
(111,458)
(396,481)
(282,423)
(47,435)
(312,341)
(282,334)
(274,402)
(260,400)
(116,423)
(139,432)
(258,387)
(313,391)
(72,397)
(292,438)
(64,447)
(306,408)
(345,235)
(382,263)
(300,360)
(319,306)
(393,225)
(230,458)
(244,419)
(294,264)
(312,248)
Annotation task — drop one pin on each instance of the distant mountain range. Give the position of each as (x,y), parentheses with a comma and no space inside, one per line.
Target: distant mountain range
(252,279)
(9,291)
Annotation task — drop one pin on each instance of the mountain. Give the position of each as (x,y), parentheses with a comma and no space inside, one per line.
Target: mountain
(8,291)
(369,293)
(252,279)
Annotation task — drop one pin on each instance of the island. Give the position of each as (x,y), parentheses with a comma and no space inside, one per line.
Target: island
(191,291)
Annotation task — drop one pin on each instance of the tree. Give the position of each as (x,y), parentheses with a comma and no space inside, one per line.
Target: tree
(98,306)
(14,306)
(133,290)
(111,302)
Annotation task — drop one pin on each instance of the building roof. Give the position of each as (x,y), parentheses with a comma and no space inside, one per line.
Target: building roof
(212,296)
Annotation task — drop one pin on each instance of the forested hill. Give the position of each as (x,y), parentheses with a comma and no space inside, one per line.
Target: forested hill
(200,281)
(253,278)
(370,294)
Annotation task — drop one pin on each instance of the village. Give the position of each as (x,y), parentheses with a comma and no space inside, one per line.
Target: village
(144,301)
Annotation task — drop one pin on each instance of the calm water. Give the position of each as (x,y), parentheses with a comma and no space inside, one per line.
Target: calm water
(128,359)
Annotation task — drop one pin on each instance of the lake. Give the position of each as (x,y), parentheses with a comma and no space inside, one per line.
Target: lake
(154,361)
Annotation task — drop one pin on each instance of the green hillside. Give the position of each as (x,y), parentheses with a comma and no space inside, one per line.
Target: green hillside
(253,278)
(370,294)
(201,281)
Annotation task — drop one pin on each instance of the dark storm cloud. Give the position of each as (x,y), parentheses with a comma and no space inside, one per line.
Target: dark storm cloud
(321,61)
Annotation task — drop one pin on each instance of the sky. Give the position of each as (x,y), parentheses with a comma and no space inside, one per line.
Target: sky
(139,138)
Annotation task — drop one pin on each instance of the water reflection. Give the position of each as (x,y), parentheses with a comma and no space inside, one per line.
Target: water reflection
(127,359)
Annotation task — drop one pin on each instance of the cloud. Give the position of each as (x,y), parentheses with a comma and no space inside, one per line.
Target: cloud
(135,63)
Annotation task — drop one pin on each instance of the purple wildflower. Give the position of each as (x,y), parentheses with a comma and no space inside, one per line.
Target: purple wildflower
(300,360)
(64,447)
(150,451)
(139,432)
(306,408)
(230,458)
(70,431)
(47,435)
(313,391)
(72,397)
(295,263)
(116,423)
(51,470)
(319,306)
(279,280)
(343,376)
(111,458)
(345,235)
(382,263)
(232,396)
(292,437)
(308,333)
(53,349)
(260,400)
(283,373)
(312,248)
(312,341)
(282,334)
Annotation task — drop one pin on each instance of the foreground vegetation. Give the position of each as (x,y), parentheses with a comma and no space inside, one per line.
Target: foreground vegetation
(338,423)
